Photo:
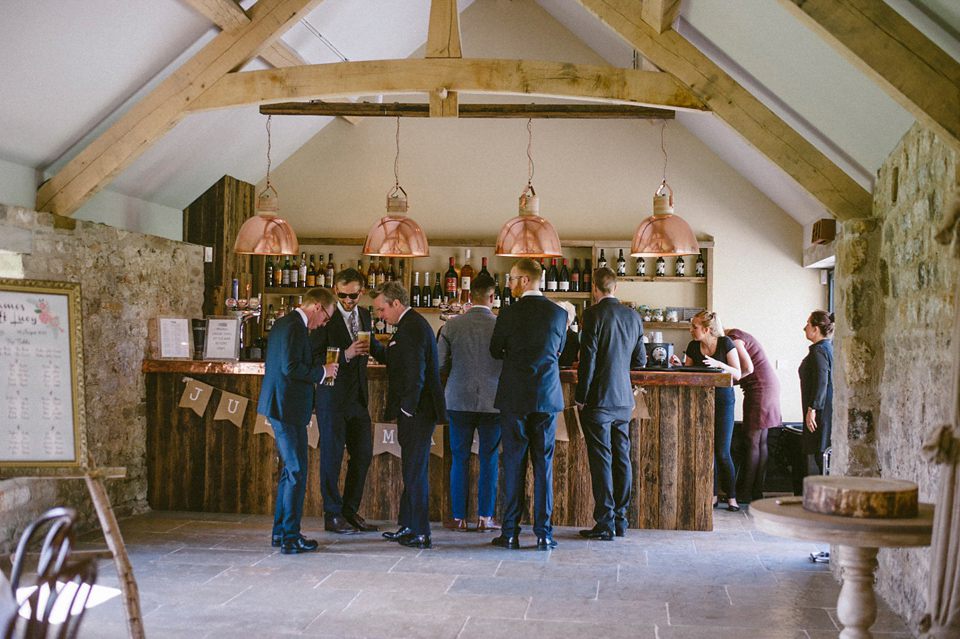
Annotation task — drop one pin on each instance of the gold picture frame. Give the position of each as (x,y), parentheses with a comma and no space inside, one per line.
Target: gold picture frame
(41,358)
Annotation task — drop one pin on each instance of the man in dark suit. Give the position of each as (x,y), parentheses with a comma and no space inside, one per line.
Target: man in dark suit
(528,337)
(415,401)
(342,414)
(611,343)
(286,399)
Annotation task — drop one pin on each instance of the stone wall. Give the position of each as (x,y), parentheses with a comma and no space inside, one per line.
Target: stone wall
(126,278)
(894,374)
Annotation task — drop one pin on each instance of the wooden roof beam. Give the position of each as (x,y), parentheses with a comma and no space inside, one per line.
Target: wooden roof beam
(893,53)
(659,14)
(443,41)
(736,106)
(158,112)
(422,110)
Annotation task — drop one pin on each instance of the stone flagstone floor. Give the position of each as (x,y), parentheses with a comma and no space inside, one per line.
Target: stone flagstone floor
(216,576)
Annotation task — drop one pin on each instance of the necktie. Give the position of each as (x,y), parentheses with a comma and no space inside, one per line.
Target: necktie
(354,324)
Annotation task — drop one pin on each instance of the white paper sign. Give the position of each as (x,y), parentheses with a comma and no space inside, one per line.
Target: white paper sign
(175,338)
(223,338)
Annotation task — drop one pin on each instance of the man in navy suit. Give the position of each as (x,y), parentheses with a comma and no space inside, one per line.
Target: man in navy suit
(528,337)
(415,401)
(611,343)
(286,399)
(342,414)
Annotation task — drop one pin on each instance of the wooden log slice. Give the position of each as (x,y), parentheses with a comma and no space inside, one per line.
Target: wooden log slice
(869,497)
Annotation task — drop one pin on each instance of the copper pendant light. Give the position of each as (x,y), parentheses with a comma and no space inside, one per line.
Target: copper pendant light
(528,234)
(265,233)
(395,234)
(664,234)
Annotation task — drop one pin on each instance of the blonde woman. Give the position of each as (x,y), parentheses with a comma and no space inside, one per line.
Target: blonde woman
(711,348)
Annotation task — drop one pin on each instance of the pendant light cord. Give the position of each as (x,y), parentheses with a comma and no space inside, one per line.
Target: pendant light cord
(269,117)
(529,151)
(663,147)
(396,161)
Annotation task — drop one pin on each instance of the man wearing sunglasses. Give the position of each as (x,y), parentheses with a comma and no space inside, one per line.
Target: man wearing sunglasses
(342,415)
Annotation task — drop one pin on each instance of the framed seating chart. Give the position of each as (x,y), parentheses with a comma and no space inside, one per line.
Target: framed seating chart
(42,415)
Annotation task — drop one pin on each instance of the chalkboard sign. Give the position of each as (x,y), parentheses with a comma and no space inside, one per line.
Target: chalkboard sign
(41,375)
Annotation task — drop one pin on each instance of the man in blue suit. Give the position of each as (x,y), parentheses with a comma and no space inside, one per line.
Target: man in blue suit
(342,415)
(528,337)
(415,400)
(286,399)
(611,343)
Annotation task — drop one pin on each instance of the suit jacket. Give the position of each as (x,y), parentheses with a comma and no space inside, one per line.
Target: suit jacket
(289,372)
(464,352)
(528,337)
(351,381)
(611,343)
(412,372)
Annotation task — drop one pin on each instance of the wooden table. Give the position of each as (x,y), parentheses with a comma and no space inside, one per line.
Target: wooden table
(858,540)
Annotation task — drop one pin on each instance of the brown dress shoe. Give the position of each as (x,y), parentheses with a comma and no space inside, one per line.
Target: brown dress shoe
(459,525)
(337,524)
(359,522)
(487,524)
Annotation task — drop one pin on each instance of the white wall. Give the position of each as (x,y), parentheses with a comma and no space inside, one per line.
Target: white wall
(18,184)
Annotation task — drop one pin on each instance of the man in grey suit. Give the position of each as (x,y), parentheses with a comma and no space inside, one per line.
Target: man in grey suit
(464,351)
(528,337)
(611,343)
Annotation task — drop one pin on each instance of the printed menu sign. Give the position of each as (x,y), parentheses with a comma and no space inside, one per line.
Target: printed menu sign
(41,420)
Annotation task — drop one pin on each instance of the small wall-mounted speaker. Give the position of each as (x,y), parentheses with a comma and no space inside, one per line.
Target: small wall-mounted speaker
(824,231)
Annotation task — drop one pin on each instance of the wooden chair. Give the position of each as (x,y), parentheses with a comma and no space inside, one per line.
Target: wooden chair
(60,582)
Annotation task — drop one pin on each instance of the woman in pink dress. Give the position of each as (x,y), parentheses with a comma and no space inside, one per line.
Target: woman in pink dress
(761,411)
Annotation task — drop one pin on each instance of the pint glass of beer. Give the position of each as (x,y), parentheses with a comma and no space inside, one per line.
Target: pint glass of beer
(333,354)
(364,338)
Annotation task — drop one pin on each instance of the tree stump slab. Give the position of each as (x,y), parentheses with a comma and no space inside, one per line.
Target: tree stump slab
(869,497)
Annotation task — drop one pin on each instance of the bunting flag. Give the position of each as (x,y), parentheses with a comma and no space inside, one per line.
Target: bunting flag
(231,408)
(385,439)
(569,414)
(262,425)
(196,395)
(313,432)
(640,408)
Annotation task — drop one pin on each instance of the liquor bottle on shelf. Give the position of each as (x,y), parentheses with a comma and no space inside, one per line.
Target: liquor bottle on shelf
(271,318)
(575,276)
(380,326)
(496,287)
(302,276)
(426,298)
(286,272)
(543,276)
(321,271)
(268,272)
(415,291)
(552,275)
(294,273)
(701,266)
(661,267)
(438,290)
(641,267)
(563,279)
(679,267)
(621,265)
(281,308)
(483,268)
(311,280)
(330,270)
(585,277)
(381,272)
(391,274)
(507,295)
(602,261)
(466,276)
(277,273)
(450,281)
(372,275)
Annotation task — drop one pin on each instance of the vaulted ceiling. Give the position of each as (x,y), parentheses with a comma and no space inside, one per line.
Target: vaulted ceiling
(157,100)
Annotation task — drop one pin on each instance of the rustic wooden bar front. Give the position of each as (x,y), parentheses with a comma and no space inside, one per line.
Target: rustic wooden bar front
(195,463)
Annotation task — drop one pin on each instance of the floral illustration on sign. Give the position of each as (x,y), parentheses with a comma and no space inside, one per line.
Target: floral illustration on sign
(46,317)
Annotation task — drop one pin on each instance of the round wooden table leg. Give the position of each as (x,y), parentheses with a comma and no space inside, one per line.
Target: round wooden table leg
(857,603)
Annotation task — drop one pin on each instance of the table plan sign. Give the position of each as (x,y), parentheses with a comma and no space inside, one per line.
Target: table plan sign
(41,375)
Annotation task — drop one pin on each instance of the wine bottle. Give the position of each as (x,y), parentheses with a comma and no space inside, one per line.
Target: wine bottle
(415,291)
(286,272)
(466,277)
(602,261)
(437,290)
(585,277)
(563,280)
(372,275)
(450,280)
(661,267)
(496,286)
(507,295)
(330,270)
(321,271)
(701,266)
(426,300)
(295,273)
(483,268)
(543,276)
(391,274)
(552,275)
(621,265)
(641,267)
(679,267)
(268,272)
(381,272)
(302,275)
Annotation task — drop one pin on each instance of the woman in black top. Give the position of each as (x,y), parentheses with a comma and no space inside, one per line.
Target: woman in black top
(816,386)
(711,348)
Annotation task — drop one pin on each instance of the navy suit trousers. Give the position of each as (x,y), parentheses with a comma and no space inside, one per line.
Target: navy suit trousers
(606,433)
(414,435)
(536,433)
(350,428)
(292,485)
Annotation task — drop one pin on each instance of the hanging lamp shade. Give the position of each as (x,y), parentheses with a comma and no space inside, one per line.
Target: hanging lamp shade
(528,234)
(395,234)
(265,233)
(664,234)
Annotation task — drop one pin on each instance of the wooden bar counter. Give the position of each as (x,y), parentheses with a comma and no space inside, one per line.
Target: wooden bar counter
(195,463)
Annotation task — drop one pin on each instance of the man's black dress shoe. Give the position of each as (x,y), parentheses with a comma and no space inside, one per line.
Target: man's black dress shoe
(545,543)
(598,533)
(298,546)
(276,540)
(506,541)
(359,522)
(400,534)
(621,531)
(338,524)
(415,541)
